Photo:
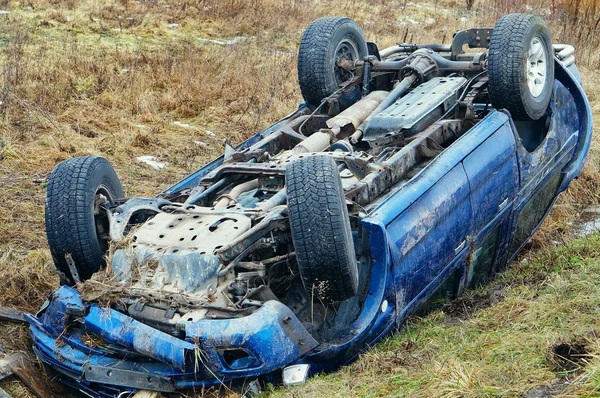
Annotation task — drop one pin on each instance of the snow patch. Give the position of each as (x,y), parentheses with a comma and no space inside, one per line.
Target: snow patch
(184,125)
(222,42)
(149,160)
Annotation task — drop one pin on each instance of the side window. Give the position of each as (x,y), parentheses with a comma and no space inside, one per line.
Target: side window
(481,261)
(533,212)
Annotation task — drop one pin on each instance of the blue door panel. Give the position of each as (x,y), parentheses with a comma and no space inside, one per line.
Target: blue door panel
(427,237)
(493,176)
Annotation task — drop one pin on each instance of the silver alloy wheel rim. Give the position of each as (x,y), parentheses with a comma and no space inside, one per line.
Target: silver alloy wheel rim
(536,67)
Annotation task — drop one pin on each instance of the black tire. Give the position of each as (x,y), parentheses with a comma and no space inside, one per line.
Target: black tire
(71,225)
(507,66)
(323,43)
(320,228)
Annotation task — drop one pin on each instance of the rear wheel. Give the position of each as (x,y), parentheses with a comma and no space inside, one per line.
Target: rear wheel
(75,222)
(324,44)
(521,66)
(320,228)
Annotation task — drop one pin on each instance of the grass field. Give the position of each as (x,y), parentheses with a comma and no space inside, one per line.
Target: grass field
(175,79)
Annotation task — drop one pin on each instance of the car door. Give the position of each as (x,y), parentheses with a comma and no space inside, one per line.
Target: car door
(429,240)
(540,167)
(493,176)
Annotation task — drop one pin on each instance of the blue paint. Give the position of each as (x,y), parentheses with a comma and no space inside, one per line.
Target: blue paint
(423,232)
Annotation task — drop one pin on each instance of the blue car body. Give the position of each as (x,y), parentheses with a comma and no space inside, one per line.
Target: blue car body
(460,220)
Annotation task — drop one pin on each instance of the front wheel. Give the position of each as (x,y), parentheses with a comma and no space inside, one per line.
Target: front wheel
(521,66)
(75,223)
(320,228)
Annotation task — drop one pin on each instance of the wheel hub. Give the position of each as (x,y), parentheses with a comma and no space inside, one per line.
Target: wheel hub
(536,67)
(345,50)
(100,217)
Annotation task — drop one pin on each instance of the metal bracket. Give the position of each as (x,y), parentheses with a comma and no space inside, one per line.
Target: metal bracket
(128,378)
(465,109)
(475,38)
(72,268)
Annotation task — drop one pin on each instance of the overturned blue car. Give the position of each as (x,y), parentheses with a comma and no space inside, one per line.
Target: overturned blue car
(408,175)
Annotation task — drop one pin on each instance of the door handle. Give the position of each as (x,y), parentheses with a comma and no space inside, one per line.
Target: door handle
(503,204)
(460,247)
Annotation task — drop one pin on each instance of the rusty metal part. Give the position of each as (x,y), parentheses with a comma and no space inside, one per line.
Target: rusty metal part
(367,75)
(471,66)
(255,246)
(423,146)
(358,112)
(410,48)
(465,109)
(422,65)
(239,189)
(245,155)
(252,266)
(474,38)
(276,219)
(258,169)
(347,64)
(72,268)
(388,66)
(317,142)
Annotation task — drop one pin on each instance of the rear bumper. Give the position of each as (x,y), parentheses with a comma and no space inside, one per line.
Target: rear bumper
(575,166)
(100,348)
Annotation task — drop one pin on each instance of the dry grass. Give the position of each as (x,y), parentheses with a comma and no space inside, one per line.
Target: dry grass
(110,78)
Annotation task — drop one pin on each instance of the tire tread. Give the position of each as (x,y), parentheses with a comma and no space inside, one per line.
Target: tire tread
(321,228)
(66,214)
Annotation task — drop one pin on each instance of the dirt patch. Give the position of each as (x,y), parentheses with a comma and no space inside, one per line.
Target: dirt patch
(569,357)
(466,306)
(546,391)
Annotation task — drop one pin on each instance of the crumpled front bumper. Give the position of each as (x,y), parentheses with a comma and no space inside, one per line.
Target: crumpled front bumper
(100,348)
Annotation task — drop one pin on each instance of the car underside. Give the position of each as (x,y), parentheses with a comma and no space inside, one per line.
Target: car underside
(262,256)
